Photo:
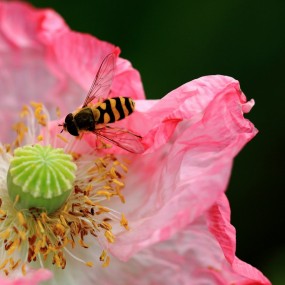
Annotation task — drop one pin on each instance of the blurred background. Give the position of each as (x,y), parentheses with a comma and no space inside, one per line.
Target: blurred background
(172,42)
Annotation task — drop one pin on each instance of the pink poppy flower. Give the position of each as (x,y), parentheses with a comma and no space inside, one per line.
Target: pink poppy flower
(162,216)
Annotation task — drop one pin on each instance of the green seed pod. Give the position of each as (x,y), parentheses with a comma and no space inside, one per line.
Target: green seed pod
(41,176)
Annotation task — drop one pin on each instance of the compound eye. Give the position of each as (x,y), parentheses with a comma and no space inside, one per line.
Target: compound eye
(69,118)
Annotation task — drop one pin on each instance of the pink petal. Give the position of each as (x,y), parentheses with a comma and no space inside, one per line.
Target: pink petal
(181,176)
(80,55)
(192,256)
(42,60)
(224,232)
(32,278)
(21,25)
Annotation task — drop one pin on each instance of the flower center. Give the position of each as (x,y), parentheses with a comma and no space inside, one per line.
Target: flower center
(44,234)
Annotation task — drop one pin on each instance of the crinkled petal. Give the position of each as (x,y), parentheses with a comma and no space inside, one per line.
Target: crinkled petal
(32,278)
(195,131)
(219,225)
(87,54)
(192,256)
(43,60)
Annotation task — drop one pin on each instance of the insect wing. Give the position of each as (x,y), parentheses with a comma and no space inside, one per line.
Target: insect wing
(103,80)
(122,138)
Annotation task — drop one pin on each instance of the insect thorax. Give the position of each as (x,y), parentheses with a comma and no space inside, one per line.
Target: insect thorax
(85,119)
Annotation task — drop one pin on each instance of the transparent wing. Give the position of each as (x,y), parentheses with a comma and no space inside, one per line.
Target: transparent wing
(103,80)
(122,138)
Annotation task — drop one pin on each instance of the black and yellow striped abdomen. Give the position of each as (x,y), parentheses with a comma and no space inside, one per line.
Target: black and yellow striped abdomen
(114,109)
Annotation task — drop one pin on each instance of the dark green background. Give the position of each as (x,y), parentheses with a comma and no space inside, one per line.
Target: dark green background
(172,42)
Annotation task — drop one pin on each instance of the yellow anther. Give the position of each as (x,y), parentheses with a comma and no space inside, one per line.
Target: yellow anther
(7,147)
(59,230)
(106,262)
(14,265)
(108,195)
(64,139)
(22,220)
(21,129)
(44,241)
(40,226)
(5,234)
(113,172)
(2,212)
(22,235)
(57,260)
(109,236)
(3,264)
(63,221)
(124,222)
(89,202)
(118,182)
(36,105)
(102,208)
(25,111)
(40,138)
(89,263)
(24,271)
(66,241)
(41,118)
(88,188)
(75,155)
(106,226)
(83,244)
(125,168)
(13,246)
(37,247)
(103,255)
(44,217)
(122,198)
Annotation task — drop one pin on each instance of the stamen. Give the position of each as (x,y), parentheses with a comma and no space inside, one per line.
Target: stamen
(88,263)
(106,262)
(40,138)
(36,117)
(31,234)
(62,138)
(40,116)
(4,263)
(58,113)
(83,214)
(109,236)
(25,111)
(124,222)
(23,268)
(21,130)
(22,220)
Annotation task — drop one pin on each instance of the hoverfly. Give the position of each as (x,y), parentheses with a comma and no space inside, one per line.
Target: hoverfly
(96,117)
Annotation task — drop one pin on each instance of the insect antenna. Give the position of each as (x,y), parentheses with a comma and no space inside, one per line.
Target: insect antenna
(61,125)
